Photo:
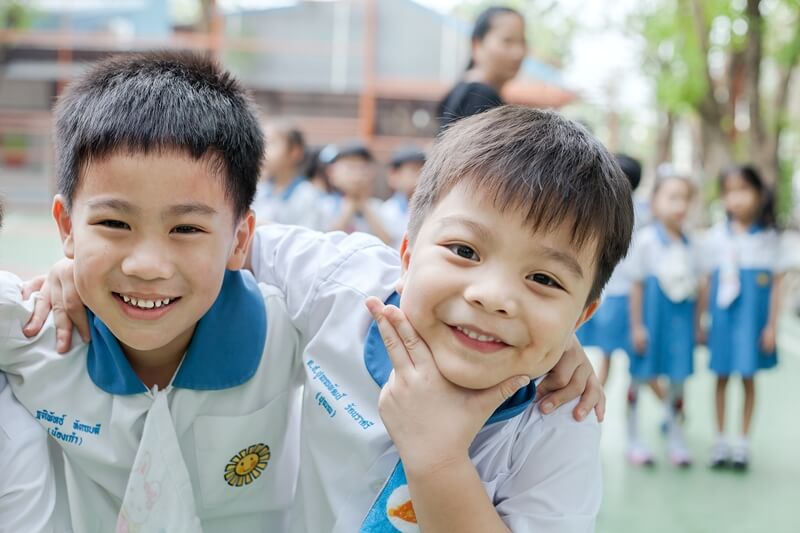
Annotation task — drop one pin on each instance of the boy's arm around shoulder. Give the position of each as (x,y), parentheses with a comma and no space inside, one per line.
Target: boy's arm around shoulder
(308,265)
(555,482)
(16,351)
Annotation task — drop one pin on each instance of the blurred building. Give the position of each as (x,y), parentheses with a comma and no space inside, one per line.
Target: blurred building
(341,69)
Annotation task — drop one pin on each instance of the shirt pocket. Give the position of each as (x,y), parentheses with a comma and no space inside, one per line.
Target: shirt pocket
(247,464)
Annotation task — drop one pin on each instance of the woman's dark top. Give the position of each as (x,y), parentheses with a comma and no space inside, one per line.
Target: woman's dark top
(466,99)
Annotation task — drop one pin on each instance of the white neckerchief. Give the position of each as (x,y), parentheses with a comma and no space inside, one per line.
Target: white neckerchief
(675,272)
(729,284)
(159,493)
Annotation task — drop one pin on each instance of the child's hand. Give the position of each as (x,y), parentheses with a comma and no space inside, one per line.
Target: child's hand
(573,376)
(639,340)
(431,420)
(58,293)
(768,341)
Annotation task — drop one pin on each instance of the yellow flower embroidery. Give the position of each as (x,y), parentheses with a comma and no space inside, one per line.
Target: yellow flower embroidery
(247,465)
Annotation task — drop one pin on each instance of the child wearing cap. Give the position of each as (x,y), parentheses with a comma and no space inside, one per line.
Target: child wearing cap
(404,171)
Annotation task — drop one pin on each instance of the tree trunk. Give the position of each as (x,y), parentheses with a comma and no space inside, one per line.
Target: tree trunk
(664,143)
(758,139)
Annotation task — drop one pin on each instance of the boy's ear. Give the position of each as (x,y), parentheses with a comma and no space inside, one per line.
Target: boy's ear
(405,261)
(64,223)
(588,312)
(241,241)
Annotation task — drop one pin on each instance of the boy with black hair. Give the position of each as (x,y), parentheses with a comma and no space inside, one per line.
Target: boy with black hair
(180,413)
(404,170)
(351,207)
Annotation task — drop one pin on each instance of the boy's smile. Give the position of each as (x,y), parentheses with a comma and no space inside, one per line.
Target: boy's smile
(490,297)
(152,236)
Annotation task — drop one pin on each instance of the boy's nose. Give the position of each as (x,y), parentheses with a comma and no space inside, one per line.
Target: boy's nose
(147,261)
(493,296)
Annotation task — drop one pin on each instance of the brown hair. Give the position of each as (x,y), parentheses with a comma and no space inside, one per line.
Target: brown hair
(538,163)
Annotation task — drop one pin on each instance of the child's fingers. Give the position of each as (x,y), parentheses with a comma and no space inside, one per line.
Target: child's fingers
(40,311)
(32,285)
(398,355)
(417,349)
(490,399)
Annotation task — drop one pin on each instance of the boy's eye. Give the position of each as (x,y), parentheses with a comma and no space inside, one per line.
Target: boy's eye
(462,250)
(186,229)
(544,279)
(114,224)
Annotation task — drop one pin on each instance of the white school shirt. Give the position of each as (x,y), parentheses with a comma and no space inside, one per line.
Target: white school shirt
(299,204)
(236,389)
(27,485)
(394,212)
(756,249)
(541,472)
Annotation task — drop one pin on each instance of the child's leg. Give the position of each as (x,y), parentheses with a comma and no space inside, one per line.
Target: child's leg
(658,390)
(749,404)
(605,366)
(678,452)
(637,453)
(740,453)
(722,385)
(720,452)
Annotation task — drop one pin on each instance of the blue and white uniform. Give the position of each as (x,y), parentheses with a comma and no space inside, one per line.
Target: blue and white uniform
(742,267)
(332,209)
(299,204)
(669,272)
(395,212)
(27,485)
(609,328)
(541,472)
(217,449)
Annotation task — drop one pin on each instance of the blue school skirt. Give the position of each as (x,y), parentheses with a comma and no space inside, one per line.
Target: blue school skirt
(609,329)
(735,335)
(670,328)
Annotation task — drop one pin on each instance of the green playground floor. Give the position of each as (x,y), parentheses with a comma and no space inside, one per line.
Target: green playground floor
(661,499)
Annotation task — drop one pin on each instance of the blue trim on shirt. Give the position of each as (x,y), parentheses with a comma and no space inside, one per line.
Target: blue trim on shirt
(379,366)
(665,237)
(287,192)
(401,200)
(224,352)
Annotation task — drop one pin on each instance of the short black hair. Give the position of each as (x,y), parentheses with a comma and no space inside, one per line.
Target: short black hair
(352,149)
(632,169)
(156,101)
(540,164)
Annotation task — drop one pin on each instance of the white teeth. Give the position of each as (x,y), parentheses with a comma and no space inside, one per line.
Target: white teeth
(477,336)
(141,303)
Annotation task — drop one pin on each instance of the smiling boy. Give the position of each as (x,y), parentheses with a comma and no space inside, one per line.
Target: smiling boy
(171,417)
(517,223)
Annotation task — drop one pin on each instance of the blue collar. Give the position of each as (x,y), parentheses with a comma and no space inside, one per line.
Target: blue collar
(288,191)
(664,237)
(224,352)
(754,228)
(401,200)
(379,367)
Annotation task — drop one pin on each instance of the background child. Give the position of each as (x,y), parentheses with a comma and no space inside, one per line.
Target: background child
(609,328)
(285,195)
(27,485)
(663,313)
(353,208)
(404,171)
(745,278)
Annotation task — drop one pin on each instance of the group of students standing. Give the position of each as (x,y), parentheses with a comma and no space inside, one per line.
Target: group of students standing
(676,290)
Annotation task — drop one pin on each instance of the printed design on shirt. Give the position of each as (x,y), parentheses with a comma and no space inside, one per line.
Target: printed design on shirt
(400,511)
(762,279)
(247,465)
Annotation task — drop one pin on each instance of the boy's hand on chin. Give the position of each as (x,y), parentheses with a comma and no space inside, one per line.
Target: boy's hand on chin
(57,293)
(431,420)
